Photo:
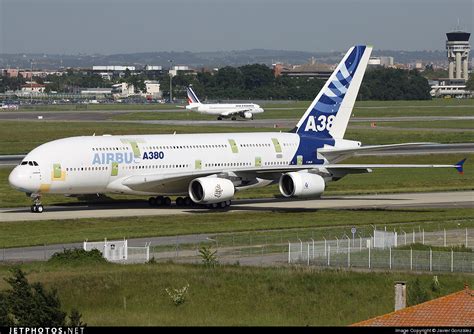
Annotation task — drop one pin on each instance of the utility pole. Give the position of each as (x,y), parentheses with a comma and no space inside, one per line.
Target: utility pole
(31,82)
(171,78)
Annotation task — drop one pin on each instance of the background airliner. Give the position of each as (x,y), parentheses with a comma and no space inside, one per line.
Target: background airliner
(209,168)
(222,110)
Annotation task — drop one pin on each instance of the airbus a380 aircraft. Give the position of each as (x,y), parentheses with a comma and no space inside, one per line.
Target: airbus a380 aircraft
(222,110)
(209,168)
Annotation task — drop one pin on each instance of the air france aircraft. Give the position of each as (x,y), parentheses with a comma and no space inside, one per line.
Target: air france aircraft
(209,168)
(244,110)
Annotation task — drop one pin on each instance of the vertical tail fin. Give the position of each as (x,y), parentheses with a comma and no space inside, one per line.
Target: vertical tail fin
(192,97)
(329,113)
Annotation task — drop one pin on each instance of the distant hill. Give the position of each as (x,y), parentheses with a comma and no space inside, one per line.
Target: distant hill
(201,59)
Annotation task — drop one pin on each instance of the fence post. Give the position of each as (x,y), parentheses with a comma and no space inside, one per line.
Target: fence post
(313,246)
(431,260)
(301,248)
(413,236)
(444,237)
(411,258)
(308,253)
(466,237)
(329,255)
(369,257)
(423,237)
(337,245)
(348,251)
(325,246)
(360,243)
(452,260)
(289,252)
(390,255)
(405,234)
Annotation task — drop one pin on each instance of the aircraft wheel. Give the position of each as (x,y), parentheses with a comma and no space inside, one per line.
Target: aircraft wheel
(233,118)
(222,205)
(39,208)
(167,201)
(159,200)
(33,208)
(219,118)
(227,203)
(179,201)
(214,206)
(188,201)
(152,201)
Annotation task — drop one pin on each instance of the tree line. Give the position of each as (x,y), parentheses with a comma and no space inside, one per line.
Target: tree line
(256,81)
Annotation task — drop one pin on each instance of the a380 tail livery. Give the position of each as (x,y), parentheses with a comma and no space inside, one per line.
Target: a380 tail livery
(222,110)
(209,168)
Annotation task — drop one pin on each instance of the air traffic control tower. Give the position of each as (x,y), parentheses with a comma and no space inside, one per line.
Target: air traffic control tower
(457,47)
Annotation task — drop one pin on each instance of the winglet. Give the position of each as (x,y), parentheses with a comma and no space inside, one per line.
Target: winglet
(459,166)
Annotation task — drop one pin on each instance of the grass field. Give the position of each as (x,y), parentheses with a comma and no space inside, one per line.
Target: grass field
(18,137)
(450,125)
(379,181)
(118,295)
(29,233)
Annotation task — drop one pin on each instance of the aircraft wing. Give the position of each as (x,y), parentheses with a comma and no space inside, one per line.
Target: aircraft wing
(180,181)
(336,155)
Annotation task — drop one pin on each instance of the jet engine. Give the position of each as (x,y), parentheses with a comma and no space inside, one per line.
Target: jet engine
(209,190)
(295,184)
(248,115)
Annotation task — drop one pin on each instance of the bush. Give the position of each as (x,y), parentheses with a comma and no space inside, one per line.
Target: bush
(178,296)
(209,258)
(77,256)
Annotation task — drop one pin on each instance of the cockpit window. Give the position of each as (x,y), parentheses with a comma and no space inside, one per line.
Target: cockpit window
(24,163)
(35,163)
(30,163)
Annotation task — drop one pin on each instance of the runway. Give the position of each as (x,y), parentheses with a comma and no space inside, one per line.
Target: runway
(107,116)
(80,211)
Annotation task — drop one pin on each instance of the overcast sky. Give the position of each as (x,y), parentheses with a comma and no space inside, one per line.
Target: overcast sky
(121,26)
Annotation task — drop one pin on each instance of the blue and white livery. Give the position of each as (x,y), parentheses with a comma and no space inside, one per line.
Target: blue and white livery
(209,168)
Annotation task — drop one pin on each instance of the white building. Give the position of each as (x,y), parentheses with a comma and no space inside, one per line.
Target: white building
(123,90)
(152,89)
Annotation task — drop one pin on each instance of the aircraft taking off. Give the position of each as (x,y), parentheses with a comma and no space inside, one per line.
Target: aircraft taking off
(208,168)
(221,110)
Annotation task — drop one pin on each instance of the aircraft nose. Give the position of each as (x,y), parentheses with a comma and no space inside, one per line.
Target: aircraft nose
(22,179)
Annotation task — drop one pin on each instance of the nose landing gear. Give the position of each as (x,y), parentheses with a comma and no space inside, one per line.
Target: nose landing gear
(37,207)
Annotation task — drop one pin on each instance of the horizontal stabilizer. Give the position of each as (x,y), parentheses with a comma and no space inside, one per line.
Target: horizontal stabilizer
(460,166)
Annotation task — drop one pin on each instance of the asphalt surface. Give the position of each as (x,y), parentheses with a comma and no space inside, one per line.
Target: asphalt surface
(132,209)
(40,253)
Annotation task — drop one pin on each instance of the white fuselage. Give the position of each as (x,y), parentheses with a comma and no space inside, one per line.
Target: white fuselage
(106,164)
(225,109)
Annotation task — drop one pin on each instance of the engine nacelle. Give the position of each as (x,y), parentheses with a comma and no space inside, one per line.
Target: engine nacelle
(248,115)
(209,190)
(295,184)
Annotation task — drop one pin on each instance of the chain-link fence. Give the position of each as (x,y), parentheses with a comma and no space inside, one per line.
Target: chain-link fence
(390,250)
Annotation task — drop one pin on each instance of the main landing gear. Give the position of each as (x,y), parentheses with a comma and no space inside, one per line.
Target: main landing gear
(185,202)
(37,207)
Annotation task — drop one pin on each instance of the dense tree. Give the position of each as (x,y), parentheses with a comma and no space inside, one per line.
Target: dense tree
(28,304)
(394,84)
(470,83)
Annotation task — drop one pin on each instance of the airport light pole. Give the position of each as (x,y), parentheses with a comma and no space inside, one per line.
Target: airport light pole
(171,78)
